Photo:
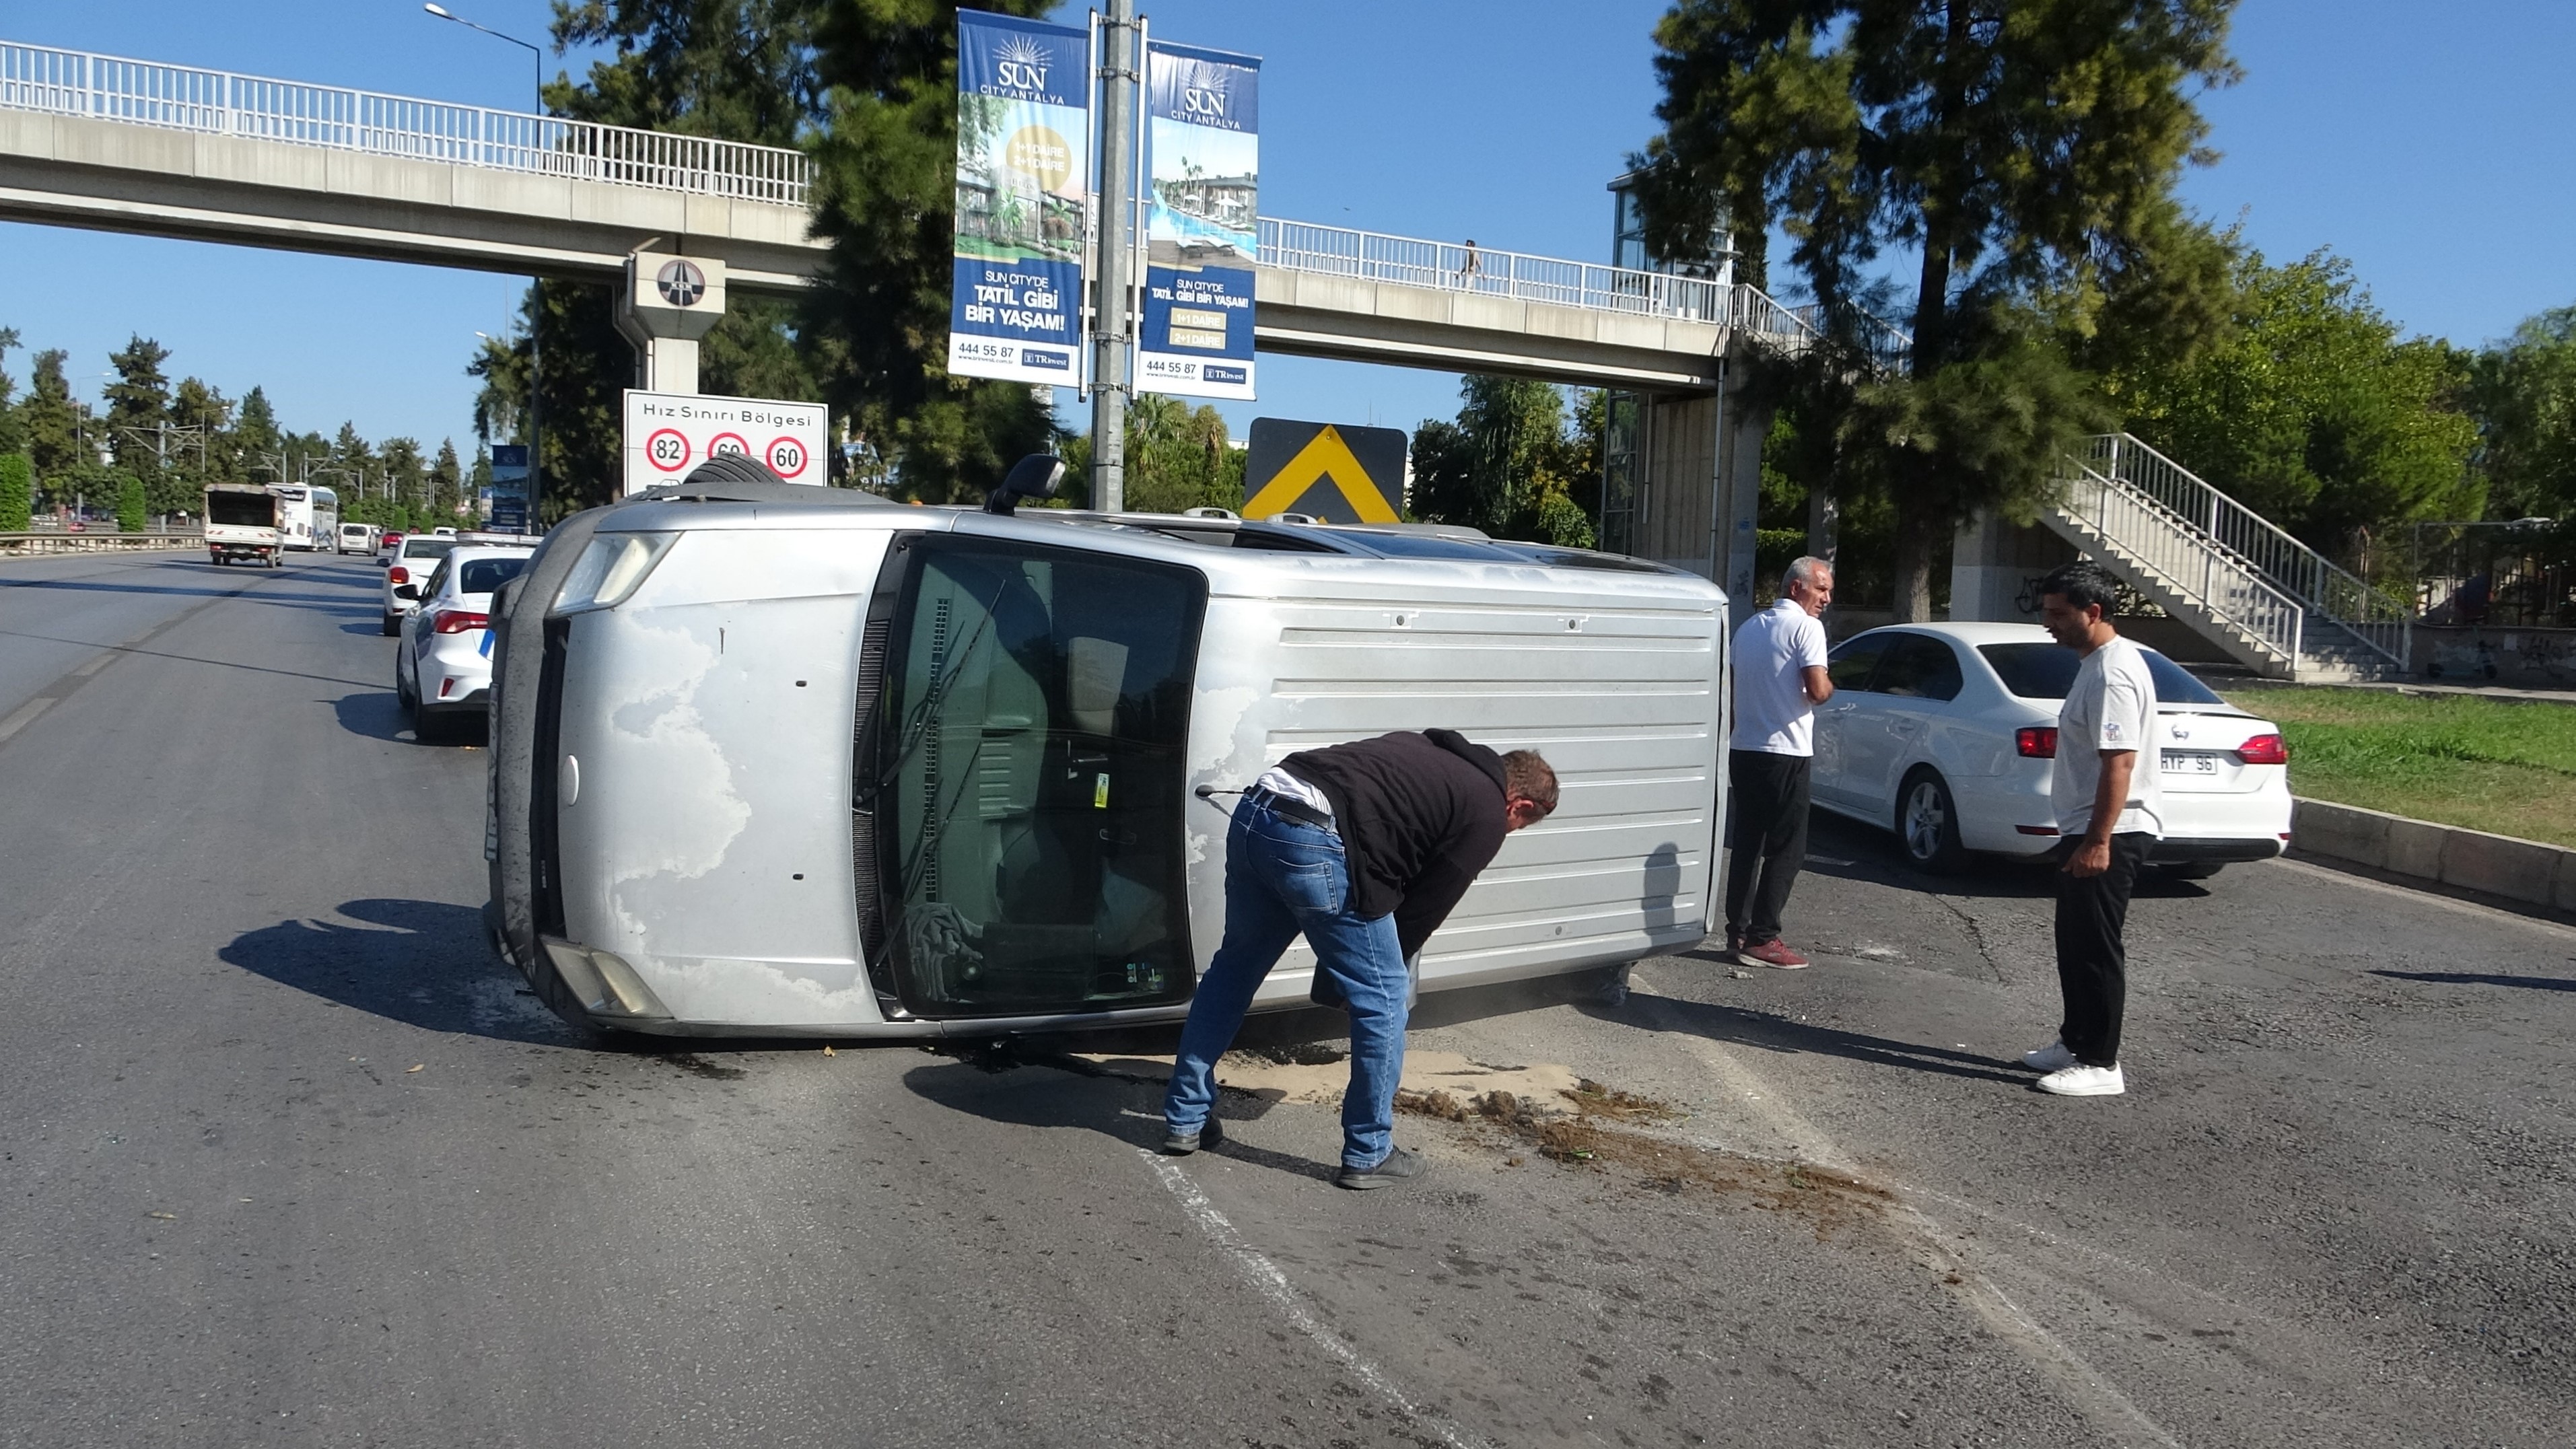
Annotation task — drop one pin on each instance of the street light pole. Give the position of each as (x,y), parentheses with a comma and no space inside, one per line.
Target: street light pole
(536,284)
(1109,385)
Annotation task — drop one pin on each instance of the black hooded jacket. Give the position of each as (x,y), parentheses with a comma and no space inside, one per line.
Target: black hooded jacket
(1419,814)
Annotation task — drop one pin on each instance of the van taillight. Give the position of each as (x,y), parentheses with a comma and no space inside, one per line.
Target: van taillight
(457,621)
(2036,742)
(398,577)
(2264,750)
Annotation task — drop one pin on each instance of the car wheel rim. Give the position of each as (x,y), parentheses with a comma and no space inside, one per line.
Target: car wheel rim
(1923,821)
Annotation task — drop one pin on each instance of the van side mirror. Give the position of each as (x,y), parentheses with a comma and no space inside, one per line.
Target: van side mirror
(1034,476)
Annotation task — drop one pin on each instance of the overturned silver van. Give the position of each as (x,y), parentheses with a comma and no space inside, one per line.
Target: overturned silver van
(777,761)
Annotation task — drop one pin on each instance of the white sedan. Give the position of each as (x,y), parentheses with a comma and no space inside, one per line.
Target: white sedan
(1947,734)
(443,665)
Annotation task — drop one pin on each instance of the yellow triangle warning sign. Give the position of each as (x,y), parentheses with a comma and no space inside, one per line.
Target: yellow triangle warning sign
(1341,475)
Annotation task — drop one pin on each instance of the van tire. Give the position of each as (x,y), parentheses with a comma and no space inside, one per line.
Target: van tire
(1927,824)
(393,625)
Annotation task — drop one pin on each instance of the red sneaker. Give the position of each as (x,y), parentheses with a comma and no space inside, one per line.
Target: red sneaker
(1773,954)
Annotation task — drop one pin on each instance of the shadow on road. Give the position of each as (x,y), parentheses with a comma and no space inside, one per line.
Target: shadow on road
(1847,850)
(374,713)
(422,963)
(1770,1031)
(195,591)
(1024,1085)
(2467,978)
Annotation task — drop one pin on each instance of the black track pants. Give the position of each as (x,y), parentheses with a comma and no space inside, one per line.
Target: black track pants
(2092,960)
(1769,841)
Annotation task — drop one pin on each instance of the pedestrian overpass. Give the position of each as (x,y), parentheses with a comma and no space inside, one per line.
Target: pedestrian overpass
(116,144)
(136,146)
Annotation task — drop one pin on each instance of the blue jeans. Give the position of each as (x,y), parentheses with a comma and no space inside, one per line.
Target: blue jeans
(1282,877)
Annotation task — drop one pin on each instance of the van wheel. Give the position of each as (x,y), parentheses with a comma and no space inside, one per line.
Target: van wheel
(393,625)
(1927,825)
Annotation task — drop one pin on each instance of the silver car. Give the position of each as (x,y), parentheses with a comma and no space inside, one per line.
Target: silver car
(778,760)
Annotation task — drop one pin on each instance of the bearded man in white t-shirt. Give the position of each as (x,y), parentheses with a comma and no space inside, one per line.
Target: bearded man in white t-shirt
(2110,809)
(1780,678)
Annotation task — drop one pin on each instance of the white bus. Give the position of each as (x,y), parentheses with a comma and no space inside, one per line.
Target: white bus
(312,516)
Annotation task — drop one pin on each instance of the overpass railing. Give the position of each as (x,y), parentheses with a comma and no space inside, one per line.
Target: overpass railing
(214,102)
(1335,251)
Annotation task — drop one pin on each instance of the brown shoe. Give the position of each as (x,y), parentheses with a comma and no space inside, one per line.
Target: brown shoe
(1772,954)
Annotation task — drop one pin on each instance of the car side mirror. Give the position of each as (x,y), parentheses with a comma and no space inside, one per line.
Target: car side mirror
(1035,476)
(406,591)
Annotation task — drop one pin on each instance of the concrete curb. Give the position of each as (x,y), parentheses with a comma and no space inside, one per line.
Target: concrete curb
(2469,860)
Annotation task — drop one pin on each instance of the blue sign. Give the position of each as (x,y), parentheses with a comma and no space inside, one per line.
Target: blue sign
(1203,115)
(1023,181)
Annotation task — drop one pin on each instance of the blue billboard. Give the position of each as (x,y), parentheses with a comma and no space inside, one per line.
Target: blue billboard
(1023,176)
(1202,233)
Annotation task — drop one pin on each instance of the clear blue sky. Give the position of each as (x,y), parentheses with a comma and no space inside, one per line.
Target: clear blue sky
(2428,144)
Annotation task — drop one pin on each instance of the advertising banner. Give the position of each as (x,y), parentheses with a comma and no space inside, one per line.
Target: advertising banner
(669,433)
(1203,111)
(1023,173)
(508,495)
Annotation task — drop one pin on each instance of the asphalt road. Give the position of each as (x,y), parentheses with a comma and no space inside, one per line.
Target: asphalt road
(289,1159)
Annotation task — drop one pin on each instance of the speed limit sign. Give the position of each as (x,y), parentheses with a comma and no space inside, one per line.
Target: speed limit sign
(669,450)
(667,434)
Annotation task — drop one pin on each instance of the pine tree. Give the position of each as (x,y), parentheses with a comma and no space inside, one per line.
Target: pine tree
(55,422)
(2025,155)
(886,176)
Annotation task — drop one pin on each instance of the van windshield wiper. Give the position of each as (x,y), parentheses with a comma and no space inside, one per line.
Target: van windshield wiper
(928,711)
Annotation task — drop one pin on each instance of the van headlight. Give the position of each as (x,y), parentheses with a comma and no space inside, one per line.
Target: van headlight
(609,569)
(606,985)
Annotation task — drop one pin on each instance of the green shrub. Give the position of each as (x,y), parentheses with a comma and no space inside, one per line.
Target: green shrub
(17,492)
(130,507)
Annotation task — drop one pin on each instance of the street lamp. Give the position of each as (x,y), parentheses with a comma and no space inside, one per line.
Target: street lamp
(536,324)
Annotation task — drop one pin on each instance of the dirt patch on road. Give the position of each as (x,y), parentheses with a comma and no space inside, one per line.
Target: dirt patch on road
(1594,1128)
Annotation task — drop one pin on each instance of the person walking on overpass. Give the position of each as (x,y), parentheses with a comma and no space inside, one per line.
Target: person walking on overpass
(2110,812)
(1365,847)
(1779,680)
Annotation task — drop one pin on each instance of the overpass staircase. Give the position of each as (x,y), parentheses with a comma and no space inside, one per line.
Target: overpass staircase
(2267,600)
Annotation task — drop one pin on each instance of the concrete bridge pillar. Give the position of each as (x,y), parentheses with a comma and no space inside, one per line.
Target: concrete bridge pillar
(667,304)
(1697,482)
(1993,563)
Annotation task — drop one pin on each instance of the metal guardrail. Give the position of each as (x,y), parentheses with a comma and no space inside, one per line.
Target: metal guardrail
(66,541)
(2325,588)
(214,102)
(2164,541)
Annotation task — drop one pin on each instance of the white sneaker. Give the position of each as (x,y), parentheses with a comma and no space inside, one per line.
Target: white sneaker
(2083,1081)
(2053,1057)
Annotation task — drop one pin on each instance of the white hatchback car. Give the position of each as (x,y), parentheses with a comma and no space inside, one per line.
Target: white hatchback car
(408,565)
(1947,734)
(443,666)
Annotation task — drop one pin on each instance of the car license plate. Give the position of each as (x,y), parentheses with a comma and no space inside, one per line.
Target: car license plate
(2190,762)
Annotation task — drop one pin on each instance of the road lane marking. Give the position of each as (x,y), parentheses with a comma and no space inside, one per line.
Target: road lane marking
(25,716)
(2092,1393)
(94,666)
(1271,1282)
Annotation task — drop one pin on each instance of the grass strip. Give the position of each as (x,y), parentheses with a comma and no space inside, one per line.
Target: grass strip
(2484,764)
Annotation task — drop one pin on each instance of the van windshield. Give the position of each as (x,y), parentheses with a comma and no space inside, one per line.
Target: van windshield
(1028,762)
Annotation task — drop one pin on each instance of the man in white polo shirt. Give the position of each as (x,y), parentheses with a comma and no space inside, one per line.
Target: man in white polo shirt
(1779,681)
(2106,789)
